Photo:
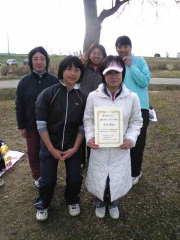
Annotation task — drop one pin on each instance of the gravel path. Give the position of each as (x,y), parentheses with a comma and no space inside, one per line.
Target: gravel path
(174,81)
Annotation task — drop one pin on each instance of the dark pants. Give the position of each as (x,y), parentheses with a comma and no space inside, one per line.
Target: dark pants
(33,147)
(48,178)
(85,152)
(99,203)
(138,150)
(83,149)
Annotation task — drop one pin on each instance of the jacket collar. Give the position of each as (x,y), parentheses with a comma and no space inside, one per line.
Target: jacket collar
(63,86)
(36,75)
(124,93)
(115,95)
(93,68)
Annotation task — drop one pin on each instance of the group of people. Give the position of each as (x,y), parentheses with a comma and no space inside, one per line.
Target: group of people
(56,117)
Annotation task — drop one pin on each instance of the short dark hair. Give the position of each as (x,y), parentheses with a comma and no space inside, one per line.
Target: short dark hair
(68,62)
(108,60)
(123,40)
(33,52)
(92,47)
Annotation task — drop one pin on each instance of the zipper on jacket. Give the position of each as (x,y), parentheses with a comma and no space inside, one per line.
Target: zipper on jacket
(65,121)
(39,84)
(94,78)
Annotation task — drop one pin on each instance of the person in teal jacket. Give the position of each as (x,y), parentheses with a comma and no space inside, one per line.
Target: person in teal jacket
(137,79)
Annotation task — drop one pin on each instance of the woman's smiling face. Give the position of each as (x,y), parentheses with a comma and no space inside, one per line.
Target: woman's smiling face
(70,76)
(39,62)
(96,56)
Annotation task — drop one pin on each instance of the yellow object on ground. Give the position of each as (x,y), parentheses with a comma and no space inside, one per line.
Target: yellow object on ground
(4,149)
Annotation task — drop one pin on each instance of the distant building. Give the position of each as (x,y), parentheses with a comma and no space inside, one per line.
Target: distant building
(178,55)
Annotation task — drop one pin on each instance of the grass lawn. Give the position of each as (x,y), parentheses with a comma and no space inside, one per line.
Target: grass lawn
(165,74)
(150,211)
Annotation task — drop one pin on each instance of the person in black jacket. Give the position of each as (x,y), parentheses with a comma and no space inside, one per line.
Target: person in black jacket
(59,114)
(28,89)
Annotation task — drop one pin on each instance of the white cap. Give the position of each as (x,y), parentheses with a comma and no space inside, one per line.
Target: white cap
(113,66)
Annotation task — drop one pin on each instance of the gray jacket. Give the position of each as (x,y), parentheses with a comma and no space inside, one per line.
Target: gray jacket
(91,80)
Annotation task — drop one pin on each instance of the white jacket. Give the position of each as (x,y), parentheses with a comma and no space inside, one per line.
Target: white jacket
(114,162)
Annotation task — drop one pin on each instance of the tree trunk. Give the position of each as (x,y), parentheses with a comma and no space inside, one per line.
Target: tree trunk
(93,22)
(93,25)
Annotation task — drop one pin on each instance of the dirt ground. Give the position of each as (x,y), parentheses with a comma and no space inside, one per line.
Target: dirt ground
(150,211)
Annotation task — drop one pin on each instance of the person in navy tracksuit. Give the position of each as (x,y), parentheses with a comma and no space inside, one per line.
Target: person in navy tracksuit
(59,114)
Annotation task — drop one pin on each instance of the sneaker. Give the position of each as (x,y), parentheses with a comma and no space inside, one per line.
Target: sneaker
(74,209)
(114,212)
(42,214)
(100,212)
(136,179)
(1,182)
(36,183)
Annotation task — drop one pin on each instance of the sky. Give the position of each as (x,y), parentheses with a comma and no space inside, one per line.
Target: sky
(59,26)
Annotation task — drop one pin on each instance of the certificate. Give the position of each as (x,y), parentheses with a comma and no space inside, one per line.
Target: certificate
(108,126)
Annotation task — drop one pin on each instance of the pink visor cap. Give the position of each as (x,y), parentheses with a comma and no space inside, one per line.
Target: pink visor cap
(113,66)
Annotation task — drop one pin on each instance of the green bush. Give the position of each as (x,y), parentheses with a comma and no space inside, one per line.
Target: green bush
(18,70)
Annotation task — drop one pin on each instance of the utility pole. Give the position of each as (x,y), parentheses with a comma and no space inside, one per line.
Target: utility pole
(8,43)
(46,46)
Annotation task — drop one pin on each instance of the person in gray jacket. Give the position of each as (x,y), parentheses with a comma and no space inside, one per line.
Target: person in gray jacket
(91,80)
(92,60)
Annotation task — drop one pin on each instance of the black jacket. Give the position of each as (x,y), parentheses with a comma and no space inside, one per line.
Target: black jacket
(28,89)
(63,111)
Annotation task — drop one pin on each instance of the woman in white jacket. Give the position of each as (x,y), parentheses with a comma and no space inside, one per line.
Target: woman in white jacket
(109,171)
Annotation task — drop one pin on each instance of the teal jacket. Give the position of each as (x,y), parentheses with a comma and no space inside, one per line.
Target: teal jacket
(137,79)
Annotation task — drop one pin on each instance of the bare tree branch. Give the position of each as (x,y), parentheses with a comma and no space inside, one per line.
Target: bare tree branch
(93,22)
(108,12)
